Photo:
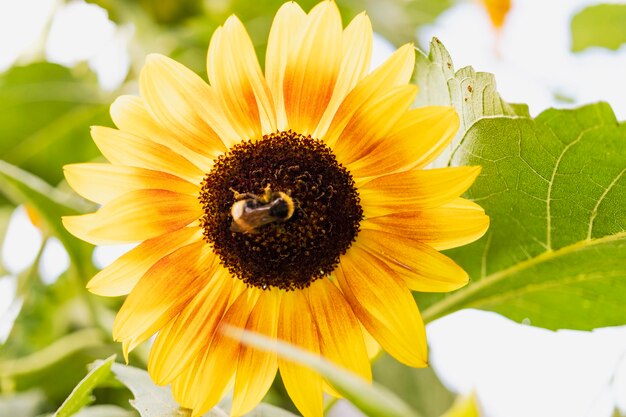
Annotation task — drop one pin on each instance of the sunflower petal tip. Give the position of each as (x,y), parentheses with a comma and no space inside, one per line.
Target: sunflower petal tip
(474,171)
(95,130)
(154,57)
(232,20)
(407,48)
(125,352)
(465,278)
(95,287)
(69,222)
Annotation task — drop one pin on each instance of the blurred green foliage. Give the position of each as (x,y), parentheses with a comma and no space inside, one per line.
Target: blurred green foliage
(603,25)
(44,109)
(419,387)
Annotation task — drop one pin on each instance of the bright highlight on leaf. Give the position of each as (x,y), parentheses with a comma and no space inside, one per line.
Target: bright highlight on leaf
(473,94)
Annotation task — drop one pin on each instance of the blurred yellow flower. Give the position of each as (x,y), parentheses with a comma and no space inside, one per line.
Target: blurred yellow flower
(292,203)
(497,10)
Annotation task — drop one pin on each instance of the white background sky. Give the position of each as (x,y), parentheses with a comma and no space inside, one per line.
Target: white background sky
(516,370)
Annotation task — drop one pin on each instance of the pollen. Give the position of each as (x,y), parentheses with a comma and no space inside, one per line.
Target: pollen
(290,254)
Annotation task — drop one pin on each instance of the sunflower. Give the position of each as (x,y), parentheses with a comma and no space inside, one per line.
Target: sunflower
(291,202)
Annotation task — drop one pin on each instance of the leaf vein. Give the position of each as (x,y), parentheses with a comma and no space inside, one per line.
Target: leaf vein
(594,212)
(460,297)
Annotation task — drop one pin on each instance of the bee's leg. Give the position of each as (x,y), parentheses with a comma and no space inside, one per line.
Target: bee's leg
(241,196)
(267,193)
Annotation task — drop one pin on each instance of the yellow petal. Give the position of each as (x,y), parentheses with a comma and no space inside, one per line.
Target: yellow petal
(163,292)
(438,126)
(256,369)
(394,72)
(186,388)
(341,339)
(130,115)
(454,224)
(422,267)
(311,72)
(356,53)
(102,183)
(384,306)
(372,121)
(135,216)
(185,105)
(415,190)
(121,276)
(216,372)
(122,148)
(184,338)
(285,34)
(418,138)
(372,346)
(235,73)
(296,326)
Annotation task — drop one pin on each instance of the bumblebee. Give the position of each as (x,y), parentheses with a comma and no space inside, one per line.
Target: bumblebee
(252,211)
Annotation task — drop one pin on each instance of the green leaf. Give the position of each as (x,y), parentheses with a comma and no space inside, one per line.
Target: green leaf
(472,93)
(22,187)
(602,25)
(419,387)
(150,400)
(554,188)
(81,395)
(373,399)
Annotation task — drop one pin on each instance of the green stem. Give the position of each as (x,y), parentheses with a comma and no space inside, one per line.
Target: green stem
(64,347)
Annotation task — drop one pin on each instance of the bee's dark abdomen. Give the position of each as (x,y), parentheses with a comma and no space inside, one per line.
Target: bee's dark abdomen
(279,209)
(252,204)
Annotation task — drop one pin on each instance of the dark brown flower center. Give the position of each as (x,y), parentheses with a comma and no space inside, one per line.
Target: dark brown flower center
(267,247)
